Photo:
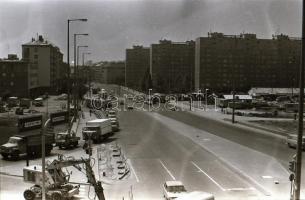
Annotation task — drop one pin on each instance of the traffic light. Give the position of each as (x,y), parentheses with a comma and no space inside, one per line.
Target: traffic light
(292,166)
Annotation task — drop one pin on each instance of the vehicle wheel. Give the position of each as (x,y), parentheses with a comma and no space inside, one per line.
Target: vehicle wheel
(56,196)
(29,195)
(15,155)
(4,156)
(289,145)
(75,144)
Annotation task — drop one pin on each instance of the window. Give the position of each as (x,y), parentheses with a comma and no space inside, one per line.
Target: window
(35,56)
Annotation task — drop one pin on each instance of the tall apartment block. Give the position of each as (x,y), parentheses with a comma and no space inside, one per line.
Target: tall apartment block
(47,69)
(14,77)
(238,62)
(137,67)
(172,66)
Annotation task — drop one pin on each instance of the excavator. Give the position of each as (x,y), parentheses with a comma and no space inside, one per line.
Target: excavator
(57,184)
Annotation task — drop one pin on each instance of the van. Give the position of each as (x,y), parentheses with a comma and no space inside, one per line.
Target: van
(292,141)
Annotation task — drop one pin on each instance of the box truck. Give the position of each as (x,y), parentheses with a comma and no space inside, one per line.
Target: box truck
(97,130)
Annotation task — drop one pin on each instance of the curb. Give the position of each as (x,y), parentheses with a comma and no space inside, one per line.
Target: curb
(244,125)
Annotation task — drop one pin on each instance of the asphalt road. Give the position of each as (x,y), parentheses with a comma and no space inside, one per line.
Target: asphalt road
(158,154)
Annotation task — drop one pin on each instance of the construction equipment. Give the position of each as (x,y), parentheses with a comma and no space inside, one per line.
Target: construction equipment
(57,182)
(67,140)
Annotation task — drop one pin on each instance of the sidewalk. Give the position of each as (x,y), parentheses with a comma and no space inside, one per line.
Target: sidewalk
(240,121)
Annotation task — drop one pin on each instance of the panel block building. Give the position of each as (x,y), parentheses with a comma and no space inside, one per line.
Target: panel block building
(239,62)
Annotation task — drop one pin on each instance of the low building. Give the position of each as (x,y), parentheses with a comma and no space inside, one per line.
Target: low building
(14,79)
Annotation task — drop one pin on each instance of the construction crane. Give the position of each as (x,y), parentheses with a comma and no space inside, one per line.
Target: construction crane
(57,182)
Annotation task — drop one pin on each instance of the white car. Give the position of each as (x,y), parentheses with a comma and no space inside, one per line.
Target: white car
(173,189)
(196,195)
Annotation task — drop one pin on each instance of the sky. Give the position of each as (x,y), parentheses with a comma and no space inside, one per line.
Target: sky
(114,25)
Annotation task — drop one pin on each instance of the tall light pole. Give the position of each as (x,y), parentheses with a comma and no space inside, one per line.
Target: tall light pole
(76,72)
(68,61)
(149,98)
(206,99)
(77,65)
(88,70)
(301,107)
(43,159)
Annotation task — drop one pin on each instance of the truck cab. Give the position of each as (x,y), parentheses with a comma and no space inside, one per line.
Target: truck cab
(66,140)
(14,146)
(173,189)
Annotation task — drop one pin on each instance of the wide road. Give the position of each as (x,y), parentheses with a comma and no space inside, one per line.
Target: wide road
(158,153)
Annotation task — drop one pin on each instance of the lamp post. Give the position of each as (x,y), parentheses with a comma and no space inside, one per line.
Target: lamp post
(76,71)
(301,107)
(199,93)
(83,56)
(233,109)
(149,98)
(43,159)
(68,61)
(206,99)
(77,65)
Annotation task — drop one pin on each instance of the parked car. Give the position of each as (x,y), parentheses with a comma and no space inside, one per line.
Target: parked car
(173,189)
(292,140)
(38,102)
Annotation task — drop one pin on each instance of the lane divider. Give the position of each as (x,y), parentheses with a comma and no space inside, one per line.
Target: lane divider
(171,175)
(200,170)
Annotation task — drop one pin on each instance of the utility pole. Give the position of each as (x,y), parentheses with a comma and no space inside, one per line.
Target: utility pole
(301,107)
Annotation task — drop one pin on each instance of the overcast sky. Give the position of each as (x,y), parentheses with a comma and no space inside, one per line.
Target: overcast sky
(115,25)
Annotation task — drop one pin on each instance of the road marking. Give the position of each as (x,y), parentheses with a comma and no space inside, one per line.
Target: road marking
(240,189)
(167,170)
(133,171)
(223,189)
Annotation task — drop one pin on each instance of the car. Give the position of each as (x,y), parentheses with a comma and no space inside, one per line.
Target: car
(129,107)
(196,195)
(173,189)
(292,141)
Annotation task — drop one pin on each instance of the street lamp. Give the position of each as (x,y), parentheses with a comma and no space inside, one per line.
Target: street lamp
(149,98)
(206,99)
(88,70)
(77,65)
(68,61)
(76,71)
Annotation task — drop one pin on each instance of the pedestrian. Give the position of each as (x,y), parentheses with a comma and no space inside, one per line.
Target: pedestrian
(90,112)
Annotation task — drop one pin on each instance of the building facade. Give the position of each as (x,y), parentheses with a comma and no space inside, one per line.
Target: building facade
(14,79)
(137,68)
(47,69)
(172,66)
(239,62)
(109,72)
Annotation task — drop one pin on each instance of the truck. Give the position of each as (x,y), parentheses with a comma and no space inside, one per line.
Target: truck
(25,103)
(97,130)
(56,183)
(67,140)
(59,117)
(28,143)
(29,122)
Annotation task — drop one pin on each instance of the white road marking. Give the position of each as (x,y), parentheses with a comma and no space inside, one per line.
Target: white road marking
(167,170)
(240,189)
(133,171)
(223,189)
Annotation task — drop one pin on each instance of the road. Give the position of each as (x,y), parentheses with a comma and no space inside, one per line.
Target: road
(204,154)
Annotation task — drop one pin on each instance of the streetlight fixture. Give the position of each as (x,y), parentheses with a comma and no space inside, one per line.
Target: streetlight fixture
(76,71)
(68,61)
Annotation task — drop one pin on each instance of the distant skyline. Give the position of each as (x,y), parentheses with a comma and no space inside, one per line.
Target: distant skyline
(114,25)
